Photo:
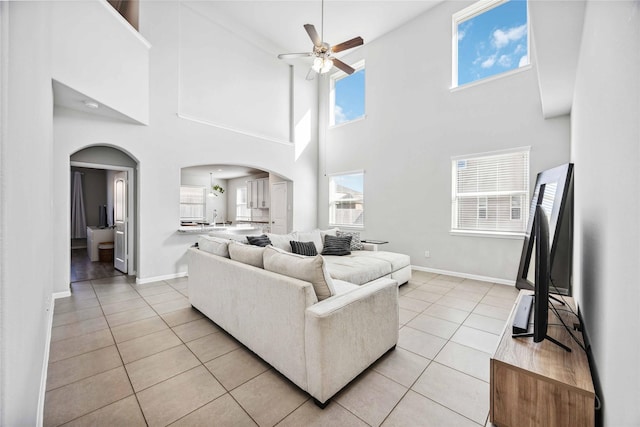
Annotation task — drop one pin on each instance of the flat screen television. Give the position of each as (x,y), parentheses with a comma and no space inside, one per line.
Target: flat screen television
(541,297)
(554,193)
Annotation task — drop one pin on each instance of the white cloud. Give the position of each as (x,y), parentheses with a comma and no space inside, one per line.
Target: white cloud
(461,35)
(502,38)
(505,60)
(339,115)
(488,63)
(524,60)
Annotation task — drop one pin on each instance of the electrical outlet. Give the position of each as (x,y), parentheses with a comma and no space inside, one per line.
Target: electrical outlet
(427,254)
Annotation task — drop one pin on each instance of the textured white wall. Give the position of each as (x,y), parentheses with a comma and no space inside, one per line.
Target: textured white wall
(414,125)
(27,199)
(606,150)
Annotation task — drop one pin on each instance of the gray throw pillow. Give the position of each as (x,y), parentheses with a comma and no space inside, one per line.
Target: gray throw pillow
(303,248)
(356,244)
(337,245)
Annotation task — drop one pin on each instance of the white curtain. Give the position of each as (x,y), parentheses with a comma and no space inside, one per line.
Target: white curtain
(78,219)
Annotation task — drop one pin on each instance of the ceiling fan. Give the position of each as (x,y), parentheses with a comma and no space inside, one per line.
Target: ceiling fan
(323,52)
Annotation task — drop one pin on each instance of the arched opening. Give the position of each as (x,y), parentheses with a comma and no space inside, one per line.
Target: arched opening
(103,212)
(234,197)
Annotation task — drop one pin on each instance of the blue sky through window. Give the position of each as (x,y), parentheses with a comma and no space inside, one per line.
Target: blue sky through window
(493,42)
(349,98)
(352,181)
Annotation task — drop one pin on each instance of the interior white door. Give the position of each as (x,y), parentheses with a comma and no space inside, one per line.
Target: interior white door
(120,219)
(279,211)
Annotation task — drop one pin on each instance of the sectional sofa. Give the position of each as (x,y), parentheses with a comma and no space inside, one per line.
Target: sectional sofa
(318,331)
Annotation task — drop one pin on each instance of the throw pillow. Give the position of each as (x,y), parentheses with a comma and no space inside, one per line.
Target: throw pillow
(214,245)
(246,254)
(303,248)
(259,240)
(311,236)
(356,244)
(309,269)
(281,241)
(336,245)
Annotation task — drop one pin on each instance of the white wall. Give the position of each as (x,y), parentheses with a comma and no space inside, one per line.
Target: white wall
(170,143)
(414,125)
(25,165)
(96,52)
(242,81)
(606,150)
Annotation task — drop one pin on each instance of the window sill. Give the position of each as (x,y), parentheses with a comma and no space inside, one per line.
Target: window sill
(339,125)
(490,78)
(490,234)
(347,227)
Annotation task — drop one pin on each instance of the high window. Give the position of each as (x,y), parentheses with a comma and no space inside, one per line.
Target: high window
(347,96)
(192,203)
(488,192)
(490,37)
(346,199)
(242,211)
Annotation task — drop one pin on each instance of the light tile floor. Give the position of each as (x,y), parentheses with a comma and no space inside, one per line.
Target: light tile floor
(126,355)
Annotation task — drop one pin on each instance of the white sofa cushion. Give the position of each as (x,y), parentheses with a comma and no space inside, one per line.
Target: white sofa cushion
(311,236)
(396,260)
(281,241)
(247,254)
(309,269)
(357,269)
(214,245)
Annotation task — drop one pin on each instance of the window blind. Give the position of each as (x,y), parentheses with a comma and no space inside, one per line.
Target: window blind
(192,203)
(346,199)
(489,192)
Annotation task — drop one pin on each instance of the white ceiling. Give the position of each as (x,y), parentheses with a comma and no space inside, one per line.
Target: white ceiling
(277,26)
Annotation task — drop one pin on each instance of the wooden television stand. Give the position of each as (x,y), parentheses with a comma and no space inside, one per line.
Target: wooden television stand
(540,384)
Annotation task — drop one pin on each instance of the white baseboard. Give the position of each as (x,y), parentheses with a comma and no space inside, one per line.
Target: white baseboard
(57,295)
(45,361)
(465,275)
(159,278)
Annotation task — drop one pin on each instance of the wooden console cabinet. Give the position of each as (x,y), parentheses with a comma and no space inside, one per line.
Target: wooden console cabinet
(540,384)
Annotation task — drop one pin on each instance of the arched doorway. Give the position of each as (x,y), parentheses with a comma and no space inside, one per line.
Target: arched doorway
(104,244)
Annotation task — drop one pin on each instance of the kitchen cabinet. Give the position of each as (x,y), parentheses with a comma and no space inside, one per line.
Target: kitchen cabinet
(258,194)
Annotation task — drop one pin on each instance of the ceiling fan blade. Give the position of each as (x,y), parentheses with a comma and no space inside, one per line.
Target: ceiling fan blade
(356,41)
(313,35)
(311,74)
(344,67)
(294,55)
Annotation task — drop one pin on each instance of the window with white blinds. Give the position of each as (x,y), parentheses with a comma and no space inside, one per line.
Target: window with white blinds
(489,192)
(242,211)
(346,200)
(192,203)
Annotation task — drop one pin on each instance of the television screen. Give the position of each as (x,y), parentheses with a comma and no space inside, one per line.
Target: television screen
(553,192)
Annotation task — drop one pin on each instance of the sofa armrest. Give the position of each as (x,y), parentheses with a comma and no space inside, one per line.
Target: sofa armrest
(369,246)
(346,333)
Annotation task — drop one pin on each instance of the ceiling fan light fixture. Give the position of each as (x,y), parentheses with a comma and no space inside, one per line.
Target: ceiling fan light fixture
(317,64)
(326,66)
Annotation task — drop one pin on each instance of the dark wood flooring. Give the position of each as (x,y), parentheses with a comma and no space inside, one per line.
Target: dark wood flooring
(83,269)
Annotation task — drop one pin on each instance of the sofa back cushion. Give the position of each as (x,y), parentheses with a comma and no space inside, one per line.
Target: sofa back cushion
(214,245)
(309,269)
(281,241)
(247,254)
(311,236)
